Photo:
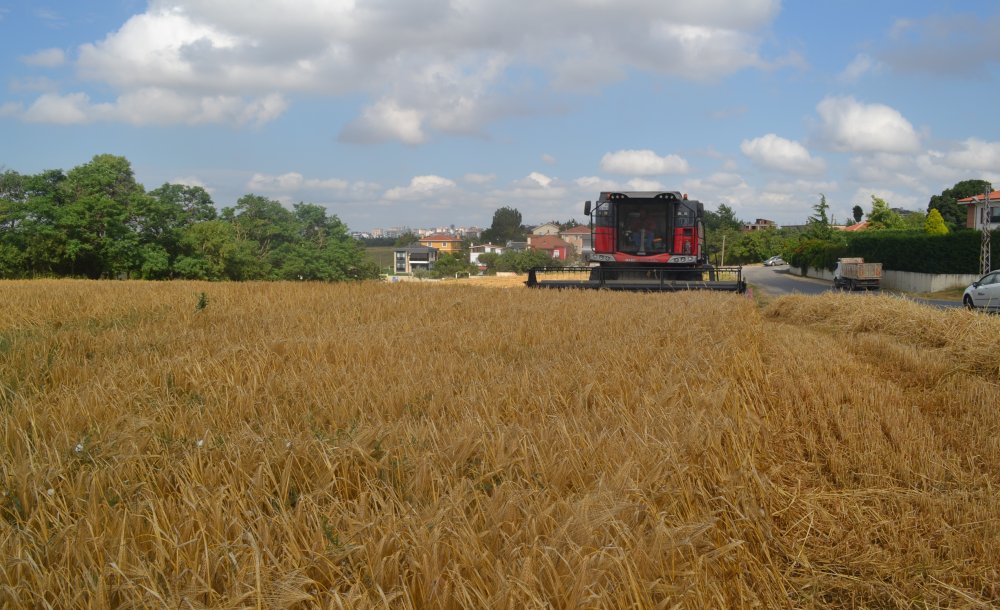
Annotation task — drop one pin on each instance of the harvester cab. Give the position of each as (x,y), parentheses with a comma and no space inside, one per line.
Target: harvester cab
(643,241)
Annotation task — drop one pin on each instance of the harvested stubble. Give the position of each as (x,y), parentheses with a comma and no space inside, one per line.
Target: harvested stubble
(352,446)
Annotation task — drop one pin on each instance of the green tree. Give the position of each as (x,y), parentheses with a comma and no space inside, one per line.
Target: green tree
(934,224)
(102,199)
(722,219)
(818,226)
(947,204)
(448,265)
(882,217)
(506,227)
(406,239)
(858,213)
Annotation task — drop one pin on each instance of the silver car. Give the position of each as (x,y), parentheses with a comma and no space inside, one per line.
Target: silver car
(774,261)
(984,293)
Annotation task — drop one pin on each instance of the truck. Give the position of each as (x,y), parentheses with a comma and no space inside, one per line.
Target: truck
(856,274)
(644,241)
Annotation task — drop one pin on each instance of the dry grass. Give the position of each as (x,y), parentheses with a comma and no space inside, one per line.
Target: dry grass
(438,446)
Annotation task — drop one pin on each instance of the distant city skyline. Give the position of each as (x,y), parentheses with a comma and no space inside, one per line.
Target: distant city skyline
(436,113)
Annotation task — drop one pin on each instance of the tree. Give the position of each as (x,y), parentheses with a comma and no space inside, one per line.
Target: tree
(448,265)
(882,217)
(406,239)
(506,227)
(818,226)
(858,212)
(722,219)
(947,202)
(934,224)
(102,199)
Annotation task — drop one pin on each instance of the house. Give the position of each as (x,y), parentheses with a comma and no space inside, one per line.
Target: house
(974,207)
(553,245)
(854,228)
(475,251)
(760,224)
(413,258)
(549,228)
(443,242)
(517,246)
(579,237)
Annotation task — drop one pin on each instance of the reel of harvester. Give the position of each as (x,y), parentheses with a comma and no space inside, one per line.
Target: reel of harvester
(639,279)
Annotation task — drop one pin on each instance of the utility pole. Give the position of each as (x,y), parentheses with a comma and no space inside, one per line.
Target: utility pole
(984,251)
(723,263)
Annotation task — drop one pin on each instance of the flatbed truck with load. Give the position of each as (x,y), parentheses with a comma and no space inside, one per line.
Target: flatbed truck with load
(856,274)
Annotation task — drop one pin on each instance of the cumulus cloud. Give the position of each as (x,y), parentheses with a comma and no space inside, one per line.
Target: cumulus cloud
(776,153)
(643,163)
(426,66)
(851,126)
(957,45)
(385,121)
(861,65)
(420,187)
(46,58)
(154,106)
(293,181)
(479,178)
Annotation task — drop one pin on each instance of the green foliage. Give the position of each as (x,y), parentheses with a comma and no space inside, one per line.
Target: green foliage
(722,219)
(406,239)
(947,202)
(934,223)
(818,226)
(506,227)
(97,221)
(202,302)
(882,217)
(817,253)
(518,262)
(448,265)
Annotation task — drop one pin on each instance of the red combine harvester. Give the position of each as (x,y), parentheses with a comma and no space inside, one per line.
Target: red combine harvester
(644,241)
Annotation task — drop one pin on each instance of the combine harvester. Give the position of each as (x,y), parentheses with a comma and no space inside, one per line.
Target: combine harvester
(644,241)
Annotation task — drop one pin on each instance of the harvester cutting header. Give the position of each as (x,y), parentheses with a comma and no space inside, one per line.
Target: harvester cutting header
(645,241)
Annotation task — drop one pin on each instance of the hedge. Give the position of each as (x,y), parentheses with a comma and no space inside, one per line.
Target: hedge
(956,252)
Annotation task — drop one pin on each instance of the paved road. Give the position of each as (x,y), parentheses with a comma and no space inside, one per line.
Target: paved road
(777,281)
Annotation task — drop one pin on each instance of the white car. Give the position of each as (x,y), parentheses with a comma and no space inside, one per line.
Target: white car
(985,293)
(774,261)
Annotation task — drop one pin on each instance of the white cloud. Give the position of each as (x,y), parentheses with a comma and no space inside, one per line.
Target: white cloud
(70,109)
(643,163)
(848,125)
(479,178)
(643,184)
(595,184)
(294,181)
(46,58)
(540,179)
(420,187)
(155,106)
(776,153)
(426,66)
(11,109)
(386,120)
(861,65)
(548,159)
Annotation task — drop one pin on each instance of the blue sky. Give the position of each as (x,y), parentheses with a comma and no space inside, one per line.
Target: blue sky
(434,112)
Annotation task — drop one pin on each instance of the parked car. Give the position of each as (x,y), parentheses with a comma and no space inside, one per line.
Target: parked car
(984,293)
(774,261)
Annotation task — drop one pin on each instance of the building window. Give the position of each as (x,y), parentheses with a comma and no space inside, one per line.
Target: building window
(994,215)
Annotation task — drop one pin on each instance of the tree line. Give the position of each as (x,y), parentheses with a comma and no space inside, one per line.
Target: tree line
(96,221)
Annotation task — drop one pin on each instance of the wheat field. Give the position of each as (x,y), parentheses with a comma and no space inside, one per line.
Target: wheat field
(297,445)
